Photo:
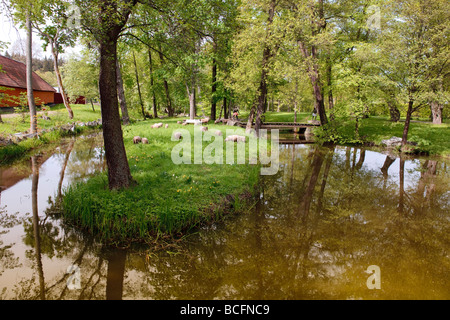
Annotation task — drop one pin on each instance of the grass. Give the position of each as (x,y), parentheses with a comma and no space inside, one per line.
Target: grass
(169,199)
(58,116)
(431,139)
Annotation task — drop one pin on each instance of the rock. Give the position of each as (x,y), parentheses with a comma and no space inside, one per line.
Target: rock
(392,142)
(137,140)
(179,122)
(195,122)
(177,136)
(144,141)
(157,125)
(5,142)
(218,133)
(167,126)
(231,123)
(235,138)
(204,129)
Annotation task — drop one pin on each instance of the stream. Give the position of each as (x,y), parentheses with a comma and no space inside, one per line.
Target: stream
(329,215)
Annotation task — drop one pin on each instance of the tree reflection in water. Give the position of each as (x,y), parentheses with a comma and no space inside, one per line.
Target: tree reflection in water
(317,225)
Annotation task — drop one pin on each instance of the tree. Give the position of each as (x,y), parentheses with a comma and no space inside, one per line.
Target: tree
(80,75)
(121,95)
(52,23)
(23,13)
(310,33)
(105,19)
(415,52)
(30,94)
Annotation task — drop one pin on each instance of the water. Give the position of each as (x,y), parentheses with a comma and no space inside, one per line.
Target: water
(328,215)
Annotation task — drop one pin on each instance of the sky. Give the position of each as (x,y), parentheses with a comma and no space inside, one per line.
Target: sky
(11,33)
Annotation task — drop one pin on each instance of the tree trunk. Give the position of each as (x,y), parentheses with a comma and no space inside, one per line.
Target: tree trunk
(387,163)
(191,95)
(309,191)
(394,112)
(138,86)
(330,84)
(36,229)
(436,112)
(262,98)
(152,83)
(318,96)
(251,116)
(119,175)
(318,24)
(92,105)
(63,169)
(213,90)
(115,274)
(59,79)
(121,95)
(225,112)
(30,94)
(295,101)
(166,87)
(401,197)
(407,122)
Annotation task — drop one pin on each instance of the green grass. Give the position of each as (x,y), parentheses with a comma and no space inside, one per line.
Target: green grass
(431,139)
(58,117)
(169,199)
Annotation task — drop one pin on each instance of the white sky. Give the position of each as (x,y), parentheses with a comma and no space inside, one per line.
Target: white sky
(10,33)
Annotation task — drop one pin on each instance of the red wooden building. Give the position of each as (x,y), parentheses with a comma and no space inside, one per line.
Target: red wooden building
(13,82)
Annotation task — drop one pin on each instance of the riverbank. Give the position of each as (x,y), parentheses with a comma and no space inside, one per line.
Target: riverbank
(426,138)
(169,199)
(53,125)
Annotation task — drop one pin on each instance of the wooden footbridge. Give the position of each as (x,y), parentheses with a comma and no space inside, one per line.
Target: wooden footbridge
(290,126)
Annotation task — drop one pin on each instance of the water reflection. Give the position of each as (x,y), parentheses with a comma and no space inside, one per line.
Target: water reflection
(318,224)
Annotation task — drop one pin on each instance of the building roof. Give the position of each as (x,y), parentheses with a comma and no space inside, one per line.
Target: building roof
(13,74)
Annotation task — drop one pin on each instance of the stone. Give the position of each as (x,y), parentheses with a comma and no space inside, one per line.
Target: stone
(195,122)
(392,142)
(137,140)
(235,138)
(157,125)
(232,123)
(177,136)
(144,141)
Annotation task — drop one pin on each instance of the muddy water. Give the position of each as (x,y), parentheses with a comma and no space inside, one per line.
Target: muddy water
(320,223)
